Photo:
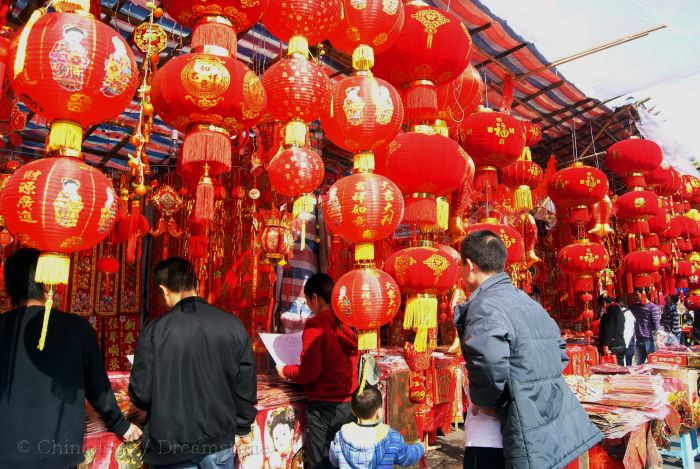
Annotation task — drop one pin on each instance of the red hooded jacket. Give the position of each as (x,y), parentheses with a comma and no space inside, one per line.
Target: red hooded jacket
(329,360)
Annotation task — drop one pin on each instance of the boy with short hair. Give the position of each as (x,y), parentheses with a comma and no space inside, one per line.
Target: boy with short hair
(369,443)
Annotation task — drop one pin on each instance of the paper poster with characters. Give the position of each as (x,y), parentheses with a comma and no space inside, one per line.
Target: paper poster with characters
(277,440)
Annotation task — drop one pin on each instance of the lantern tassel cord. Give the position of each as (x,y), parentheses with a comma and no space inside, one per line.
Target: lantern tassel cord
(45,324)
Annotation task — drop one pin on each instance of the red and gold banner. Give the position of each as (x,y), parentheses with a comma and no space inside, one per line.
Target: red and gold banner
(129,285)
(106,304)
(120,334)
(82,285)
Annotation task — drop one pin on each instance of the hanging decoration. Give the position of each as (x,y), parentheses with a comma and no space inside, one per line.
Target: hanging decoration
(460,97)
(168,202)
(577,188)
(632,159)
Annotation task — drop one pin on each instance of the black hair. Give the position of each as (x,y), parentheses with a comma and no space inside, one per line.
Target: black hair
(20,269)
(176,274)
(282,418)
(674,299)
(320,285)
(366,403)
(485,249)
(613,308)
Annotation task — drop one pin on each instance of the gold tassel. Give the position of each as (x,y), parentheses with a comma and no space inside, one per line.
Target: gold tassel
(443,214)
(363,162)
(21,54)
(298,45)
(45,324)
(72,6)
(420,343)
(52,269)
(423,310)
(364,252)
(65,134)
(526,154)
(363,58)
(295,133)
(367,340)
(304,204)
(522,199)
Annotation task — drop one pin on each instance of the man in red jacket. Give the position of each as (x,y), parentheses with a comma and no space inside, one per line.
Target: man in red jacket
(328,371)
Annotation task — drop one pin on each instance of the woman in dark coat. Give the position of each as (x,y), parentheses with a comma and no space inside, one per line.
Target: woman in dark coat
(612,332)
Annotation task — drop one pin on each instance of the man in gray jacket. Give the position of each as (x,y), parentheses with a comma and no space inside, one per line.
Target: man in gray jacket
(515,356)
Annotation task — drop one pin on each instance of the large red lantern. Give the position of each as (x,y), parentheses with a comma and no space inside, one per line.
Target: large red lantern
(366,299)
(308,21)
(363,208)
(631,159)
(365,113)
(460,97)
(582,260)
(433,48)
(665,180)
(73,70)
(243,14)
(636,207)
(422,179)
(691,189)
(493,140)
(509,235)
(576,188)
(640,265)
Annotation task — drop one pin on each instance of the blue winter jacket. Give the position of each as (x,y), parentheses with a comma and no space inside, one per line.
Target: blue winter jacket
(380,447)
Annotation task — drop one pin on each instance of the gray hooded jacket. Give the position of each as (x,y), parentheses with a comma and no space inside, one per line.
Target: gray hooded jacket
(515,356)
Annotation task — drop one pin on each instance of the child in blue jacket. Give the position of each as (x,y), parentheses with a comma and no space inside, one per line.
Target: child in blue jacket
(370,444)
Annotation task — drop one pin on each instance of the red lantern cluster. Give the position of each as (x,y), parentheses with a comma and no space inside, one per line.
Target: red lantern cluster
(314,20)
(641,265)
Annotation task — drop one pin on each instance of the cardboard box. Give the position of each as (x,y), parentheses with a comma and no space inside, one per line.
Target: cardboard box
(668,358)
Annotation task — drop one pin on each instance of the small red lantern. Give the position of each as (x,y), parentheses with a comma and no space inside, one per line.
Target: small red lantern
(363,208)
(509,235)
(641,264)
(276,238)
(73,70)
(636,207)
(311,20)
(460,97)
(107,266)
(365,113)
(631,159)
(684,270)
(576,188)
(582,260)
(434,47)
(494,140)
(533,134)
(366,299)
(295,172)
(522,175)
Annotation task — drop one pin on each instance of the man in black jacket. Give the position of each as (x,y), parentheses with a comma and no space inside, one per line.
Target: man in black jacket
(42,393)
(194,374)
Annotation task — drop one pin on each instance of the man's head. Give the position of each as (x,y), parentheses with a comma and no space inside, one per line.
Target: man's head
(20,268)
(176,279)
(367,405)
(638,296)
(483,256)
(317,290)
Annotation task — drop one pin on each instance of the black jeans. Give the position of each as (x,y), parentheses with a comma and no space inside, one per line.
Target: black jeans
(483,458)
(323,420)
(629,353)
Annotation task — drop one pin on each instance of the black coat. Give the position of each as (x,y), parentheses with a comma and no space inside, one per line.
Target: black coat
(194,374)
(612,327)
(515,357)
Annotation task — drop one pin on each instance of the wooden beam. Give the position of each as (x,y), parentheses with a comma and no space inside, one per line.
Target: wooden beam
(478,29)
(540,92)
(501,55)
(114,151)
(584,110)
(563,110)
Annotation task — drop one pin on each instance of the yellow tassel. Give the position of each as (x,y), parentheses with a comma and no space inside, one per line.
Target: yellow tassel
(302,241)
(52,269)
(443,214)
(45,324)
(423,311)
(522,199)
(72,6)
(420,343)
(364,252)
(304,204)
(21,54)
(295,133)
(526,154)
(298,45)
(441,128)
(363,58)
(363,162)
(367,340)
(65,134)
(408,319)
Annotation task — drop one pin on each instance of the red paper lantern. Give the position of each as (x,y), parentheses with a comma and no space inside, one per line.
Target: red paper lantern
(243,14)
(365,113)
(373,23)
(641,264)
(636,207)
(684,270)
(522,175)
(424,269)
(311,19)
(509,235)
(295,171)
(665,180)
(107,265)
(276,238)
(460,97)
(363,208)
(691,189)
(78,71)
(421,178)
(366,299)
(493,140)
(582,260)
(533,133)
(632,158)
(576,188)
(433,48)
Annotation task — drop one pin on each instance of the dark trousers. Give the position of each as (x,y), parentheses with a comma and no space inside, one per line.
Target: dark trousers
(483,458)
(644,348)
(323,420)
(629,353)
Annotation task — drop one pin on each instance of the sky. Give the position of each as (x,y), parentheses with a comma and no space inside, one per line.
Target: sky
(664,66)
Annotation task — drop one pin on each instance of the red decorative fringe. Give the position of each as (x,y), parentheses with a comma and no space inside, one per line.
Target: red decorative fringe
(204,206)
(207,146)
(507,96)
(639,226)
(641,280)
(421,103)
(486,179)
(682,283)
(540,192)
(583,284)
(134,226)
(651,241)
(579,215)
(211,33)
(635,180)
(419,211)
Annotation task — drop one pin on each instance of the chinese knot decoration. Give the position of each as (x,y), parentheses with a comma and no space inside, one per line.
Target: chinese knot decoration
(168,202)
